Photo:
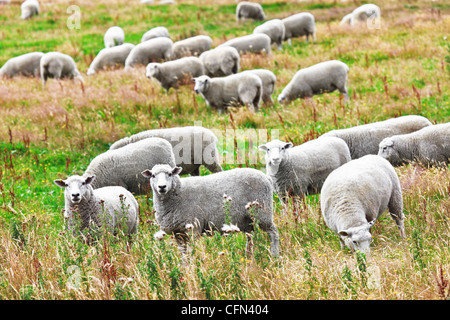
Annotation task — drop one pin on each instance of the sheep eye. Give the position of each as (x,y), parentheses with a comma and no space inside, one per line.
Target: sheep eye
(170,174)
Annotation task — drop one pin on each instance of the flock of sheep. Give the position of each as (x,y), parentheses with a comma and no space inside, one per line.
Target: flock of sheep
(352,169)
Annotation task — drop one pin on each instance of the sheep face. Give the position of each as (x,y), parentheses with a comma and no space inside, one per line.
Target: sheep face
(202,84)
(152,70)
(162,178)
(76,187)
(275,151)
(358,238)
(387,151)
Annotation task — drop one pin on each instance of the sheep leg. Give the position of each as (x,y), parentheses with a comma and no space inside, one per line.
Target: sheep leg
(274,240)
(182,240)
(395,209)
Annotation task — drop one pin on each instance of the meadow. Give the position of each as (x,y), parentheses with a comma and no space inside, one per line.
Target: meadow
(53,132)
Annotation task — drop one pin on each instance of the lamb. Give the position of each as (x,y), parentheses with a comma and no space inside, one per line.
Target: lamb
(58,65)
(152,50)
(268,79)
(429,146)
(254,43)
(365,139)
(172,74)
(302,170)
(29,8)
(275,29)
(114,36)
(242,88)
(364,13)
(110,57)
(220,62)
(197,202)
(193,46)
(320,78)
(122,167)
(27,64)
(356,194)
(155,33)
(298,25)
(109,206)
(249,10)
(193,146)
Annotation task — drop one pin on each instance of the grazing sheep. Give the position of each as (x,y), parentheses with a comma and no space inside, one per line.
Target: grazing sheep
(58,65)
(122,167)
(275,29)
(356,194)
(249,10)
(254,43)
(29,8)
(108,206)
(320,78)
(193,146)
(114,36)
(429,146)
(220,62)
(175,73)
(363,13)
(346,20)
(27,64)
(268,79)
(155,33)
(193,46)
(153,50)
(298,25)
(110,57)
(197,202)
(242,88)
(301,170)
(365,139)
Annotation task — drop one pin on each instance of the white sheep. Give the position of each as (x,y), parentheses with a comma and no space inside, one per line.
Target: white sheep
(198,203)
(153,50)
(249,10)
(346,20)
(320,78)
(58,65)
(275,29)
(155,33)
(365,14)
(110,57)
(114,36)
(429,146)
(298,25)
(356,194)
(365,139)
(221,62)
(29,8)
(122,167)
(193,46)
(27,64)
(268,79)
(241,88)
(302,170)
(253,43)
(108,206)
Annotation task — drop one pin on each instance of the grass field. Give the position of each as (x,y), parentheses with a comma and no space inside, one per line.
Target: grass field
(45,134)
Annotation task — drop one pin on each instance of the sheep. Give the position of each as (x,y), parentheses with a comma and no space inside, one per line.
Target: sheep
(175,73)
(302,170)
(356,194)
(221,62)
(58,65)
(110,57)
(27,64)
(275,29)
(242,88)
(298,25)
(114,36)
(29,8)
(193,146)
(346,20)
(155,33)
(108,206)
(254,43)
(249,10)
(152,50)
(193,46)
(122,167)
(364,13)
(320,78)
(268,79)
(365,139)
(197,203)
(429,146)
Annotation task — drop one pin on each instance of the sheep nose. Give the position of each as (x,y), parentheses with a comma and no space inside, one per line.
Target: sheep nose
(75,195)
(196,91)
(162,187)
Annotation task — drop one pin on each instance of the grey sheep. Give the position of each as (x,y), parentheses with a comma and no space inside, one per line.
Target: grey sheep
(298,25)
(192,146)
(122,167)
(193,46)
(197,203)
(253,43)
(356,194)
(155,33)
(114,36)
(365,139)
(221,62)
(268,79)
(58,65)
(153,50)
(27,64)
(108,206)
(29,8)
(320,78)
(275,29)
(429,146)
(110,57)
(249,10)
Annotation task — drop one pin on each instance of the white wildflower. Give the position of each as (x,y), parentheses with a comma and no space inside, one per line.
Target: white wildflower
(159,235)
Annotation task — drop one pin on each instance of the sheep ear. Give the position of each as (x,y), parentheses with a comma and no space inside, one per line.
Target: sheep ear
(176,170)
(389,142)
(344,233)
(193,80)
(147,173)
(263,147)
(60,183)
(288,145)
(89,180)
